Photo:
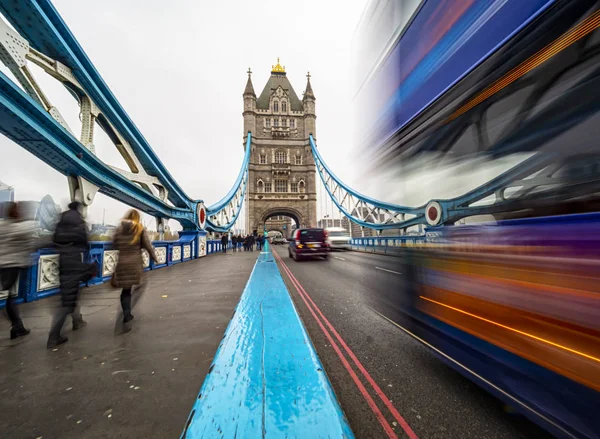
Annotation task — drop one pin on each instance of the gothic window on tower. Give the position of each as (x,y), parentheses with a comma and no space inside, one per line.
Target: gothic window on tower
(276,123)
(283,106)
(260,187)
(268,123)
(268,186)
(293,123)
(298,160)
(280,157)
(280,185)
(294,187)
(275,106)
(302,186)
(262,159)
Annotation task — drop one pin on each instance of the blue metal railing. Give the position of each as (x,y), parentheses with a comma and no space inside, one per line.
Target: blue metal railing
(234,198)
(391,245)
(41,279)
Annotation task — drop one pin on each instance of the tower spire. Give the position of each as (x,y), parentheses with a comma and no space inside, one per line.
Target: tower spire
(308,93)
(249,90)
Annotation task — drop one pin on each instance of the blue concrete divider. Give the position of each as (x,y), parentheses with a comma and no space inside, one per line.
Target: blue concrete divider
(41,279)
(266,380)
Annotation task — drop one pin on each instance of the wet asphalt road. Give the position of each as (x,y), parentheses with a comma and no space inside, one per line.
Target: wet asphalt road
(434,400)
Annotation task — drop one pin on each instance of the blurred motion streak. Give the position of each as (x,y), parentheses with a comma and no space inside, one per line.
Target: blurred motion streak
(586,27)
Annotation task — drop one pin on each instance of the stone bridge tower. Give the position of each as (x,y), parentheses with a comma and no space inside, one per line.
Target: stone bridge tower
(282,172)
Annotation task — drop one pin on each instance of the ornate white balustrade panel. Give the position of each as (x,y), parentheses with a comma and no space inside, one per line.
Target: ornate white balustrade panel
(48,273)
(187,251)
(202,246)
(161,254)
(145,258)
(109,262)
(177,253)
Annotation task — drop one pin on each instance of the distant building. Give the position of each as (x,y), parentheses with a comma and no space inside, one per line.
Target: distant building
(7,193)
(323,223)
(102,230)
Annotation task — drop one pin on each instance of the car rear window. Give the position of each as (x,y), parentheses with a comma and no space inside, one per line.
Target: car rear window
(311,235)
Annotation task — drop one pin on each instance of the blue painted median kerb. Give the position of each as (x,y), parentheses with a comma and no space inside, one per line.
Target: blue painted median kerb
(266,379)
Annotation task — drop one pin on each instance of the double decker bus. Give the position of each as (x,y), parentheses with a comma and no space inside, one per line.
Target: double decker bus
(507,291)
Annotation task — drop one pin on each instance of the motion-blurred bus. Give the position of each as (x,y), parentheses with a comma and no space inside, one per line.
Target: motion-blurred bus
(508,291)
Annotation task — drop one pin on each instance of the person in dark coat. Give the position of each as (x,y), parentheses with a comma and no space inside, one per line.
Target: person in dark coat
(70,239)
(233,243)
(224,241)
(130,238)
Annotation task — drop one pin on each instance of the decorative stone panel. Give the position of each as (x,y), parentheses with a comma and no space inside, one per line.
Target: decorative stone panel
(48,272)
(145,258)
(111,258)
(161,255)
(202,246)
(177,253)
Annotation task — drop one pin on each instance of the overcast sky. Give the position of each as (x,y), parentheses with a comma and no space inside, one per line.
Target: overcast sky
(180,71)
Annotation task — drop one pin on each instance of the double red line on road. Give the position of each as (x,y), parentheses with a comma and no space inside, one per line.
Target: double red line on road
(330,332)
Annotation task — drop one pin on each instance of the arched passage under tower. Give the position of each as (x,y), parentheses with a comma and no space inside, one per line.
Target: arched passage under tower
(282,220)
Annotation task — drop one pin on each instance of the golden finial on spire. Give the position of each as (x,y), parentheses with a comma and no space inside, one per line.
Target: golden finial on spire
(278,68)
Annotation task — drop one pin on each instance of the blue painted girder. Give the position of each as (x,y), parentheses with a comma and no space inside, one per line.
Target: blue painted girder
(45,30)
(25,122)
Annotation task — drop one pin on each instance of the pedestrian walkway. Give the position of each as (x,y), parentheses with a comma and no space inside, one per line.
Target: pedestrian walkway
(136,385)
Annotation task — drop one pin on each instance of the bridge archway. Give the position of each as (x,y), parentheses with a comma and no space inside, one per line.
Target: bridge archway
(294,214)
(286,212)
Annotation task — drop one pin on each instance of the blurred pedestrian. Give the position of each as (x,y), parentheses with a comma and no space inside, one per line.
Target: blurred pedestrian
(18,239)
(71,240)
(233,243)
(224,242)
(130,238)
(258,243)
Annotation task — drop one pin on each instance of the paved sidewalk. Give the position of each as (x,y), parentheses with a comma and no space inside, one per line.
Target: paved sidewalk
(142,384)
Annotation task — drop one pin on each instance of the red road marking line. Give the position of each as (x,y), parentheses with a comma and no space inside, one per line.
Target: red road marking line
(411,434)
(386,426)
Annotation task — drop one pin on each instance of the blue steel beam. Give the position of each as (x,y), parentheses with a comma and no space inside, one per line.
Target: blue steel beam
(25,122)
(223,214)
(363,210)
(40,23)
(374,214)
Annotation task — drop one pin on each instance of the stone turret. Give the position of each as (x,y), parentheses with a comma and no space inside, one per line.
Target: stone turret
(249,106)
(308,102)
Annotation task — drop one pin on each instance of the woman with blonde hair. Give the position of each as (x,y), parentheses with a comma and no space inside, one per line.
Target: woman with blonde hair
(130,238)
